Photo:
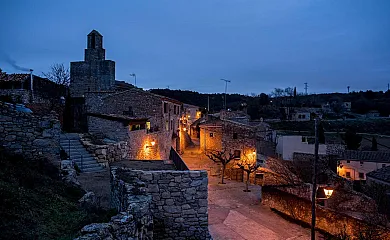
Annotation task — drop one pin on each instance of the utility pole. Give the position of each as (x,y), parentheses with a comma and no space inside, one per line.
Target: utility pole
(305,88)
(348,88)
(208,103)
(226,83)
(135,78)
(314,180)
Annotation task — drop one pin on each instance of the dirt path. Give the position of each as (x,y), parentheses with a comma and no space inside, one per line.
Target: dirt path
(99,183)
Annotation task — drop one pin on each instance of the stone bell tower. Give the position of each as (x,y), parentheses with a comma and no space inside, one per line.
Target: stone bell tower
(95,73)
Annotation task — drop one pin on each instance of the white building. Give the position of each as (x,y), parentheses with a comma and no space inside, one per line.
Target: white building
(301,116)
(287,145)
(356,164)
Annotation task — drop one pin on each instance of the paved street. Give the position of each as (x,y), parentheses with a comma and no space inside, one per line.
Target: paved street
(237,215)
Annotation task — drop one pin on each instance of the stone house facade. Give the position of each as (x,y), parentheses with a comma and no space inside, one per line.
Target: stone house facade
(356,165)
(241,139)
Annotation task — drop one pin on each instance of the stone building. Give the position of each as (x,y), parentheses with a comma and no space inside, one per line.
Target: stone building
(28,89)
(245,140)
(150,118)
(95,73)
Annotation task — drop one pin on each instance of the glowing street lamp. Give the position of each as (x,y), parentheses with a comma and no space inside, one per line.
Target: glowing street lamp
(328,192)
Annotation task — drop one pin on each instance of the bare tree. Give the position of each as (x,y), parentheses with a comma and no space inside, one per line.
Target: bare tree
(221,157)
(249,166)
(59,74)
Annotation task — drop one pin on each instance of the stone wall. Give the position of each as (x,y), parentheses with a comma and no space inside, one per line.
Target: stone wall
(30,135)
(179,200)
(327,220)
(135,221)
(210,143)
(17,95)
(114,130)
(106,153)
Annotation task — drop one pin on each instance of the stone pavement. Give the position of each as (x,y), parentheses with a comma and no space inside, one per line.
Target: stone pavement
(238,215)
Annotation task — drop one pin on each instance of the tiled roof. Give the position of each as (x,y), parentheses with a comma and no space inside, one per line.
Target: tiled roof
(15,77)
(118,117)
(368,156)
(381,174)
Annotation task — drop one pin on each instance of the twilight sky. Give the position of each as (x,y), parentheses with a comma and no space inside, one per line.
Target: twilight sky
(257,44)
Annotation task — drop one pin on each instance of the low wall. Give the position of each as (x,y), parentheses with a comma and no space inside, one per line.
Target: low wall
(106,153)
(326,220)
(179,200)
(29,135)
(134,222)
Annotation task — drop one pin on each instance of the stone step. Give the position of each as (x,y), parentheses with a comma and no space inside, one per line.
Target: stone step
(90,165)
(91,170)
(85,159)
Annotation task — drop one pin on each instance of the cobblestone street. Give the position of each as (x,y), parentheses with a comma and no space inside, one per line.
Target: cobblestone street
(234,214)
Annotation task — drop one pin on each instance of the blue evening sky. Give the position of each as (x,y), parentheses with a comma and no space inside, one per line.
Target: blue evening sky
(258,44)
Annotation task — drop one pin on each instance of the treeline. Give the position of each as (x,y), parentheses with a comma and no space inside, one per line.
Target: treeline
(268,106)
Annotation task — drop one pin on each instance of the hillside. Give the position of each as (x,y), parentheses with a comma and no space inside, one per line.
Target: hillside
(35,204)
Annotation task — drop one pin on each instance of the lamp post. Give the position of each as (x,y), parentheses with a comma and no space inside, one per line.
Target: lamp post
(327,190)
(135,78)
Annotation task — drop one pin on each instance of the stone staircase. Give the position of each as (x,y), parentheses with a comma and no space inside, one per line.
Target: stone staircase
(70,142)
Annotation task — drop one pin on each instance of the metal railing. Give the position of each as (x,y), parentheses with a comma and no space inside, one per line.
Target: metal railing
(69,155)
(176,159)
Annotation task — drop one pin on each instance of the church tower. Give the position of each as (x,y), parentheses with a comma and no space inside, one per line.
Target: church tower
(95,73)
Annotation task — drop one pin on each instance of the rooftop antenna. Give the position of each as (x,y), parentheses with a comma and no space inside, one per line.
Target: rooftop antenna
(226,83)
(348,88)
(305,88)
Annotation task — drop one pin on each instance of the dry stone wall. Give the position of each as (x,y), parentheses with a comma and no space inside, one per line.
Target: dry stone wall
(179,200)
(106,153)
(29,135)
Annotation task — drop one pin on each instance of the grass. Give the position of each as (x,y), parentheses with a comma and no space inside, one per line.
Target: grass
(36,204)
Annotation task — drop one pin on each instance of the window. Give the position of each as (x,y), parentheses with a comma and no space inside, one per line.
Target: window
(348,174)
(211,135)
(361,163)
(348,161)
(237,154)
(361,175)
(148,126)
(299,116)
(171,124)
(235,135)
(165,107)
(304,139)
(383,165)
(166,125)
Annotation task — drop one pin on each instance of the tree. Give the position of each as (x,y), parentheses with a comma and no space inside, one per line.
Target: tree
(221,157)
(59,74)
(374,146)
(289,92)
(249,166)
(263,99)
(295,92)
(352,140)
